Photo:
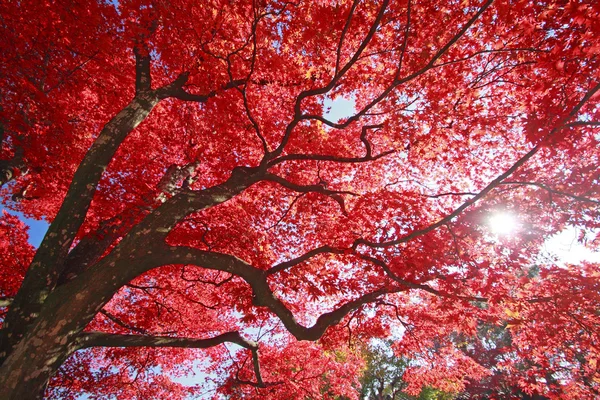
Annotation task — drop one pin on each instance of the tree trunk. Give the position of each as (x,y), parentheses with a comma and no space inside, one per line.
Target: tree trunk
(47,265)
(52,338)
(69,308)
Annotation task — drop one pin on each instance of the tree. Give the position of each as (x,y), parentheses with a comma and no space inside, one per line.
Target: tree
(200,194)
(382,379)
(490,348)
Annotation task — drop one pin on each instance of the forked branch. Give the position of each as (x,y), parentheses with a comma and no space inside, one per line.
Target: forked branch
(322,157)
(48,263)
(176,89)
(263,295)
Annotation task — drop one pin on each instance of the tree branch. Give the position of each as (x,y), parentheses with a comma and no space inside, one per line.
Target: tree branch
(313,92)
(263,295)
(176,90)
(343,35)
(582,123)
(460,33)
(298,260)
(242,90)
(435,196)
(285,213)
(6,301)
(318,157)
(8,167)
(94,245)
(334,194)
(48,263)
(492,185)
(549,189)
(100,339)
(397,82)
(405,39)
(120,322)
(413,285)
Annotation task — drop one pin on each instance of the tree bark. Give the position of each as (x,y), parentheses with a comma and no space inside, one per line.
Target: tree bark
(42,275)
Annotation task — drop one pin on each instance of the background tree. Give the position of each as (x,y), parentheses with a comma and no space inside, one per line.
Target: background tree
(491,348)
(204,206)
(383,377)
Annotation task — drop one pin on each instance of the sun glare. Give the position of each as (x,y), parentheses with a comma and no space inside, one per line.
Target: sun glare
(502,223)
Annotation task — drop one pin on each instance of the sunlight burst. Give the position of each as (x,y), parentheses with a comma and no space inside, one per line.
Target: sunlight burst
(502,223)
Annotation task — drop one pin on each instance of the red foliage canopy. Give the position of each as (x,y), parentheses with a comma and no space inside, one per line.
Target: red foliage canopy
(200,193)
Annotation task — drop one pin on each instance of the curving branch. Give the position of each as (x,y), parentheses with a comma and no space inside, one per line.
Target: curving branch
(334,194)
(100,339)
(304,257)
(263,296)
(321,157)
(326,320)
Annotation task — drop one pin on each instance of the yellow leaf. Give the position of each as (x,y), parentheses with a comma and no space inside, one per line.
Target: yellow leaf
(309,72)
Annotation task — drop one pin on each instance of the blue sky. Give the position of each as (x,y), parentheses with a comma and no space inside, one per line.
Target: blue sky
(37,229)
(339,108)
